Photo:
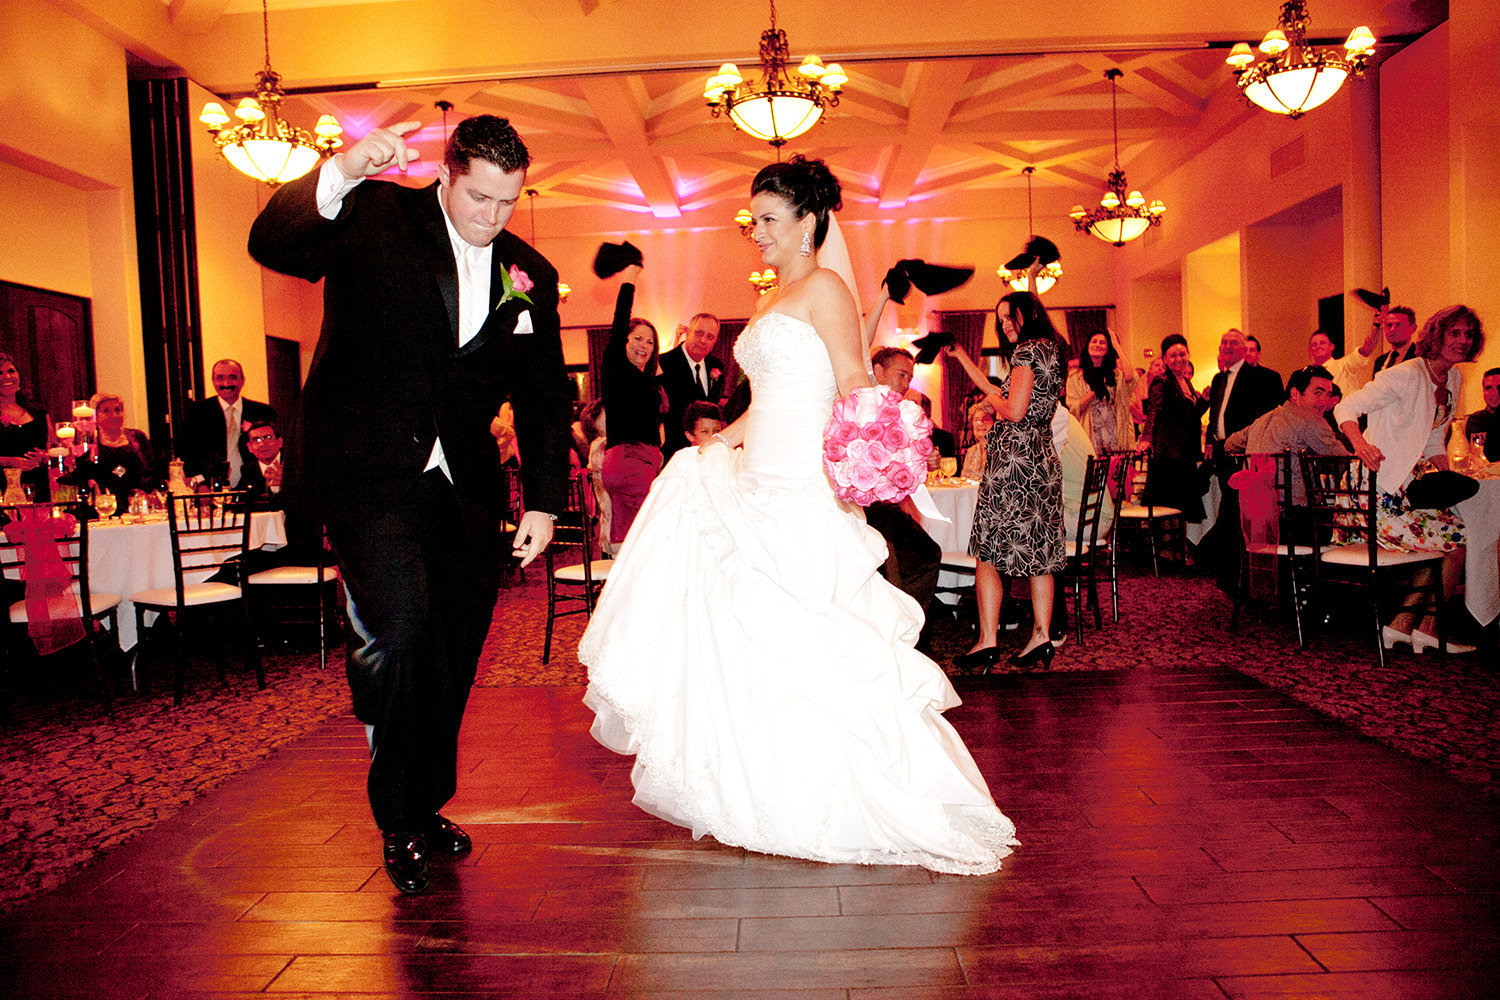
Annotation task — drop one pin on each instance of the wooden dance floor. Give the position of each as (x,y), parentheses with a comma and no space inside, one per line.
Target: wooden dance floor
(1187,834)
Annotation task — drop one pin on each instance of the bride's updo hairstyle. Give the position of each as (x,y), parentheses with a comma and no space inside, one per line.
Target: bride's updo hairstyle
(807,185)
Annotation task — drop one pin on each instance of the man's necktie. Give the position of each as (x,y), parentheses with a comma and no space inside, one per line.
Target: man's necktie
(232,442)
(698,377)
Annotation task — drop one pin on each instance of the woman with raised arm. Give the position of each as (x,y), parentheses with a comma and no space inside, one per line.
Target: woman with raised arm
(634,399)
(1018,519)
(780,706)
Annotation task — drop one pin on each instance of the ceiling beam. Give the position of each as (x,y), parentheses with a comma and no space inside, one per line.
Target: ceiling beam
(934,90)
(619,109)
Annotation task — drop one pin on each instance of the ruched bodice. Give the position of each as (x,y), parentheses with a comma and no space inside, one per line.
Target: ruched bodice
(794,387)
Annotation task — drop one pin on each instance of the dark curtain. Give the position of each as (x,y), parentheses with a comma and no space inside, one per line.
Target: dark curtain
(598,338)
(967,327)
(729,335)
(1083,324)
(166,249)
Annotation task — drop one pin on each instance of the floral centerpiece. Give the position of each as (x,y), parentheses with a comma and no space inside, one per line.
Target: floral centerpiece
(875,446)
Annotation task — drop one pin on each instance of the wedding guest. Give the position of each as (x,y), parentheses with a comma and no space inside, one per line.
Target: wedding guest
(1351,371)
(1239,393)
(1298,425)
(25,434)
(981,419)
(213,446)
(121,459)
(1399,326)
(912,557)
(1100,393)
(594,428)
(1487,420)
(1409,409)
(690,373)
(1173,433)
(701,421)
(1018,518)
(633,396)
(1143,379)
(262,479)
(1252,351)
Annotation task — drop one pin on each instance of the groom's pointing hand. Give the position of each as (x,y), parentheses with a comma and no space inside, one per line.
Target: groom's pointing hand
(378,150)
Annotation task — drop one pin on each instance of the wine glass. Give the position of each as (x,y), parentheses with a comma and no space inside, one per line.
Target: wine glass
(106,504)
(949,467)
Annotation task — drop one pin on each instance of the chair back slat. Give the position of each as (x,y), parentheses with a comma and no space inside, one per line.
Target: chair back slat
(208,530)
(1341,493)
(1091,506)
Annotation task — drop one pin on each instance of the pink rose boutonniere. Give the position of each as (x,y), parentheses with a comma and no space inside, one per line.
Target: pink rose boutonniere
(245,426)
(515,284)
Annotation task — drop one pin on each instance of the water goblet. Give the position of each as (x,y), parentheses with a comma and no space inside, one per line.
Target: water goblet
(106,504)
(949,467)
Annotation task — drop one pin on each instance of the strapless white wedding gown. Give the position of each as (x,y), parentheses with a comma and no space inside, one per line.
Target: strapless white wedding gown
(762,672)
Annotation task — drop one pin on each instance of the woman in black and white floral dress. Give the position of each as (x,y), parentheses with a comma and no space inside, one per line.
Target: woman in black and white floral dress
(1018,521)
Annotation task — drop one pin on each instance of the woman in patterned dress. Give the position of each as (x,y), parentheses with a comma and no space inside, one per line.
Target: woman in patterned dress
(1018,521)
(1409,408)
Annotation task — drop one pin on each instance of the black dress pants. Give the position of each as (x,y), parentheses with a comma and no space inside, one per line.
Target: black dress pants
(422,581)
(914,559)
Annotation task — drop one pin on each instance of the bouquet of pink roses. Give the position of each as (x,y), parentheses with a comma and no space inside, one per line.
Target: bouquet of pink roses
(875,446)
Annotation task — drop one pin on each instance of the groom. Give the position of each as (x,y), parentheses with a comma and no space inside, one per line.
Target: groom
(432,316)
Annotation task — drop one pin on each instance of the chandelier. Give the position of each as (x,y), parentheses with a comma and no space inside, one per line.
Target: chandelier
(264,145)
(765,280)
(745,221)
(1120,217)
(781,106)
(1294,78)
(1047,276)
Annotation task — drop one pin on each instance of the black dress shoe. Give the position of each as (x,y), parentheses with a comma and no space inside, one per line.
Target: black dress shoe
(447,839)
(406,861)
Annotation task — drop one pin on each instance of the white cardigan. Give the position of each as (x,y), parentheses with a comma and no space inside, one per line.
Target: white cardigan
(1401,408)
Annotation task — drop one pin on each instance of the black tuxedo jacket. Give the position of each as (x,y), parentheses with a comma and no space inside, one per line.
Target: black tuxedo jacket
(389,376)
(1257,391)
(253,483)
(1392,358)
(682,390)
(201,444)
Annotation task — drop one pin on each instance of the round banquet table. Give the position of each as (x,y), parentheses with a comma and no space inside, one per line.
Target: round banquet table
(956,503)
(1481,515)
(126,559)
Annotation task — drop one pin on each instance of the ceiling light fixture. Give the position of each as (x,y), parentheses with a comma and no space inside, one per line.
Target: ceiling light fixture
(1048,275)
(264,145)
(1294,78)
(1120,217)
(781,106)
(765,280)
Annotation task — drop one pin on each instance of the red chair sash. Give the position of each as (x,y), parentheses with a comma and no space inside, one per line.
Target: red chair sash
(54,616)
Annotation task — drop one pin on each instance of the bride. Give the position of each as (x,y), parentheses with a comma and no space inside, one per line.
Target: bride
(746,649)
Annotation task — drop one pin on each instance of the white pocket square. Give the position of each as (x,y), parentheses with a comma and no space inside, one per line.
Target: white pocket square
(523,322)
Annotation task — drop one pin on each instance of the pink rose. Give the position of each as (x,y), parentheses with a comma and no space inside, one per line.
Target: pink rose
(244,425)
(901,477)
(923,446)
(835,451)
(846,432)
(876,454)
(895,437)
(871,432)
(862,477)
(519,280)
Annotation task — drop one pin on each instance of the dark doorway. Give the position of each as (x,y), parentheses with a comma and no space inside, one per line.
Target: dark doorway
(51,337)
(283,376)
(1331,321)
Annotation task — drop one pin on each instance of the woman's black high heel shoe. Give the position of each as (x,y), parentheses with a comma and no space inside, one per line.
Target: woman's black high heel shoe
(1040,655)
(980,659)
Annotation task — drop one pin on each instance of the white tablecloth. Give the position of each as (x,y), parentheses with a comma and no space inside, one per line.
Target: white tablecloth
(1481,514)
(126,559)
(956,503)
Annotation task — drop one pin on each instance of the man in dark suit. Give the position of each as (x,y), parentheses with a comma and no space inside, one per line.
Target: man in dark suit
(213,445)
(689,374)
(1400,324)
(432,315)
(1239,394)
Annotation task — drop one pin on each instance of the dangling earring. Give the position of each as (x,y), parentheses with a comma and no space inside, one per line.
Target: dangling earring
(807,244)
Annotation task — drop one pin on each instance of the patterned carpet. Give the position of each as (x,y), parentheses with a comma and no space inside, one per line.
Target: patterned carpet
(74,782)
